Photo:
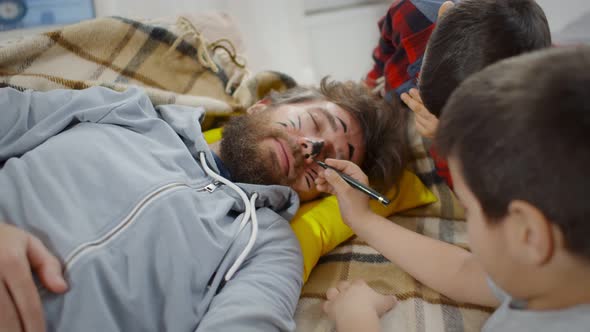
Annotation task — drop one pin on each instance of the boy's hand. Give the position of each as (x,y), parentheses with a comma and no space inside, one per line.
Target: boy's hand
(426,122)
(20,304)
(353,203)
(356,302)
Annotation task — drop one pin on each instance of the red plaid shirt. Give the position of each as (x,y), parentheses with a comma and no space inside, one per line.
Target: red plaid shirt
(405,31)
(398,56)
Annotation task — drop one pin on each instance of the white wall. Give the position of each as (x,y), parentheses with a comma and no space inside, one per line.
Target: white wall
(341,42)
(280,36)
(561,12)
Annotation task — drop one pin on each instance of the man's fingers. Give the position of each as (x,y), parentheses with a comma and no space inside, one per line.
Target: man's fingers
(9,319)
(46,265)
(21,287)
(416,95)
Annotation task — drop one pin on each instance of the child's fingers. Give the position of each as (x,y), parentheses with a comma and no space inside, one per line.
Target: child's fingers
(416,95)
(331,293)
(414,105)
(325,188)
(422,130)
(327,306)
(336,182)
(385,303)
(343,285)
(349,168)
(422,120)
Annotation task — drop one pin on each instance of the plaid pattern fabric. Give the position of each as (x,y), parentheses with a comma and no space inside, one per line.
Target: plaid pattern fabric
(404,32)
(173,62)
(419,308)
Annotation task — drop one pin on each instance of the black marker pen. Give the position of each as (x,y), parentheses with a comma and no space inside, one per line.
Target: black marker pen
(355,184)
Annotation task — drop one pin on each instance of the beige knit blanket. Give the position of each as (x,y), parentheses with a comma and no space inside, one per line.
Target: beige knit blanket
(175,61)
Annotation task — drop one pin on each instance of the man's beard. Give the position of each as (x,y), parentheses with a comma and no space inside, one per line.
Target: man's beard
(242,155)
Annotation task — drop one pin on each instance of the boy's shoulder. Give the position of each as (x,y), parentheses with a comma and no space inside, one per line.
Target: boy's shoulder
(512,316)
(506,318)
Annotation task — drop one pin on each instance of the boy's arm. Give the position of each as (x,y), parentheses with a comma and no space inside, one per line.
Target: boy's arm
(446,268)
(441,266)
(263,294)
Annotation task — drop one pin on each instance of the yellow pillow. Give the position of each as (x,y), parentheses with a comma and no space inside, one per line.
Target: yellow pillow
(319,226)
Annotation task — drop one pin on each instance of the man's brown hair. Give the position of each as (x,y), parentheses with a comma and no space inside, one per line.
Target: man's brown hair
(383,125)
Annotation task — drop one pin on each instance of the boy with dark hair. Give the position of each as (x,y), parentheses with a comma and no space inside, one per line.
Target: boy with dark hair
(520,165)
(468,36)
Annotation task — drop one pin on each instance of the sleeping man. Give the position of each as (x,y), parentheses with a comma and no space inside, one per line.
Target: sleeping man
(117,216)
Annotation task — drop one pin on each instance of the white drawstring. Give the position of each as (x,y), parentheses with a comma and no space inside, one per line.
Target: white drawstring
(248,248)
(250,212)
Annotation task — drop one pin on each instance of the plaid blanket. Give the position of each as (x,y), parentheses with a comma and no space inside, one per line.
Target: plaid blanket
(174,62)
(419,308)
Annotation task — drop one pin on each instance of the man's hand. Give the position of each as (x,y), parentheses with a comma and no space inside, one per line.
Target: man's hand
(20,255)
(356,304)
(426,122)
(353,203)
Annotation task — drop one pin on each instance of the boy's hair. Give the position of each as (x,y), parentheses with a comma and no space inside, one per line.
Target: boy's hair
(474,34)
(383,125)
(521,131)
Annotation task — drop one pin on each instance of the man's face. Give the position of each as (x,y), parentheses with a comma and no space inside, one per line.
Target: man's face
(269,145)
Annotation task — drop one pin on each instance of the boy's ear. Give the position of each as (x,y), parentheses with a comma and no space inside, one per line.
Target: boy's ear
(444,7)
(530,233)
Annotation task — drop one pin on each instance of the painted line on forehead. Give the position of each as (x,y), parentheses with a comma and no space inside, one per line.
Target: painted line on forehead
(313,119)
(343,124)
(329,116)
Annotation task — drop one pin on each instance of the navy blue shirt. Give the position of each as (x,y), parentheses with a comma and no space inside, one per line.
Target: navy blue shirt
(223,171)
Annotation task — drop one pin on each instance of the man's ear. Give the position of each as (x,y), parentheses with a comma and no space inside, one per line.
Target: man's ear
(444,7)
(259,106)
(530,234)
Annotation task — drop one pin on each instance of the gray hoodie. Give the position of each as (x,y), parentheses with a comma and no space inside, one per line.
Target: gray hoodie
(125,195)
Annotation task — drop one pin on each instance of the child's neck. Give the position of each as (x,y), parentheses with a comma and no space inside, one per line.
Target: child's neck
(565,286)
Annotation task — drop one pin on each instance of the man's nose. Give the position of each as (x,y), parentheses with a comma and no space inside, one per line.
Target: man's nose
(310,147)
